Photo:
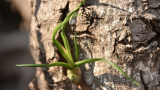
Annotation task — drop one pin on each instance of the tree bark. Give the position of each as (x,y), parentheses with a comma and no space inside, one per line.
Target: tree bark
(126,32)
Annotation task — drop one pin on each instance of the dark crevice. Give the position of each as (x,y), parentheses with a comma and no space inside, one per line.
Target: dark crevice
(42,58)
(87,31)
(65,12)
(156,38)
(154,26)
(91,22)
(38,3)
(115,44)
(145,86)
(121,42)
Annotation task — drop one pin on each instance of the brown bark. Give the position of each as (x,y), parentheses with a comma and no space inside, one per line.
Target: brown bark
(125,32)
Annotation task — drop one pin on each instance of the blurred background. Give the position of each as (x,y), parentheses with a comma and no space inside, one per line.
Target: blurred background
(15,19)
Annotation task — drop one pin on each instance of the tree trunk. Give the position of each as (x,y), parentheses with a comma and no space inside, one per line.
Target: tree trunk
(126,32)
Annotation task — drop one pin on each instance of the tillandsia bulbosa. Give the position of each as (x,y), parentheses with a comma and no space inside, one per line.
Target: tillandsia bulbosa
(73,70)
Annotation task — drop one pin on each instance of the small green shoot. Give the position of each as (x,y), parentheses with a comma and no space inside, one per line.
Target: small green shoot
(73,72)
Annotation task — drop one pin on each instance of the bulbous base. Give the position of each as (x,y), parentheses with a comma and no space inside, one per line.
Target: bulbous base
(74,75)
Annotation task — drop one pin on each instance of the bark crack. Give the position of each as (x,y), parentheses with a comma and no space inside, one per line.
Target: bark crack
(42,58)
(65,11)
(155,27)
(145,86)
(87,31)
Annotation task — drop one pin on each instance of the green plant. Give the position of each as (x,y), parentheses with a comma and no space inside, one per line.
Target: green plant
(73,70)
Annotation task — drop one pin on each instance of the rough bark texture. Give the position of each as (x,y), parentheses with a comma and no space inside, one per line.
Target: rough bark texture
(126,32)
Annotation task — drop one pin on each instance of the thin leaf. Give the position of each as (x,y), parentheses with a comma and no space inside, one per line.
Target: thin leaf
(120,70)
(59,46)
(107,61)
(66,44)
(76,48)
(46,65)
(65,40)
(63,27)
(86,61)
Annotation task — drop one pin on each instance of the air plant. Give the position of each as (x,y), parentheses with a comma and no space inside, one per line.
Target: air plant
(73,69)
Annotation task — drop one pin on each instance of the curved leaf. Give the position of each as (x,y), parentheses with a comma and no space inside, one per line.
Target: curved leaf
(66,44)
(64,38)
(86,61)
(69,56)
(59,46)
(107,61)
